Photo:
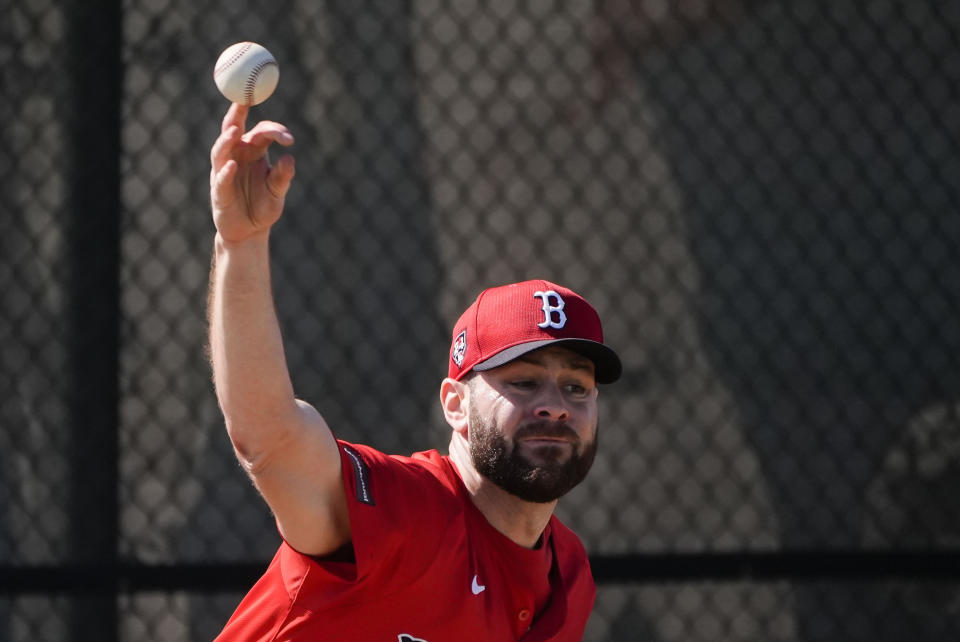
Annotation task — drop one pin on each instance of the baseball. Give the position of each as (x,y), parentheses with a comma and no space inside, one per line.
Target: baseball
(246,73)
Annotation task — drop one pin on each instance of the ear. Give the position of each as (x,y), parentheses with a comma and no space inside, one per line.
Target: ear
(454,396)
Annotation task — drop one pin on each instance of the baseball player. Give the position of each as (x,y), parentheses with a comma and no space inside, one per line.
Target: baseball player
(425,548)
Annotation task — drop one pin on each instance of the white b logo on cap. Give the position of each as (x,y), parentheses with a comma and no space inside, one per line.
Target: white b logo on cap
(549,310)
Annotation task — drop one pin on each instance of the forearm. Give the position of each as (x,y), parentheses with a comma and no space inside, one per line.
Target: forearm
(246,349)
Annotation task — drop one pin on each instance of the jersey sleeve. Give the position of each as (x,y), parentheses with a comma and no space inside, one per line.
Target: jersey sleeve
(399,510)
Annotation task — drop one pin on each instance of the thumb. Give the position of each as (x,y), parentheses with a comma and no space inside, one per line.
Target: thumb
(281,175)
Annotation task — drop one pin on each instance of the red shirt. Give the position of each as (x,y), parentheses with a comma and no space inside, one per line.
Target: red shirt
(426,567)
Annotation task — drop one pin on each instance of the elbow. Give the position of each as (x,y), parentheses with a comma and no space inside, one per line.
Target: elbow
(255,442)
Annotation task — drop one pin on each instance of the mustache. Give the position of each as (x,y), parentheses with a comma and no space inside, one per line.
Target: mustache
(546,429)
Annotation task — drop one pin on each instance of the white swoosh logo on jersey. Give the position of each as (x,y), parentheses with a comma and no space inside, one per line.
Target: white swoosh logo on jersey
(476,587)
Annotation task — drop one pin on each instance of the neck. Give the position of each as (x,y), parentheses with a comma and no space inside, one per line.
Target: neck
(519,520)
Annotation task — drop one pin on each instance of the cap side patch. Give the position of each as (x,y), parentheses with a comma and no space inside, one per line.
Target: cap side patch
(459,349)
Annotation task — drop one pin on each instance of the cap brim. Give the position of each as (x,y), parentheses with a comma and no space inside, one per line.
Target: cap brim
(606,362)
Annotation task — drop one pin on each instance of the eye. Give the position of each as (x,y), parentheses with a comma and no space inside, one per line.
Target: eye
(576,389)
(524,384)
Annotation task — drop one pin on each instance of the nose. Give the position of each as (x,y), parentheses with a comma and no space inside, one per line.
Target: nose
(551,404)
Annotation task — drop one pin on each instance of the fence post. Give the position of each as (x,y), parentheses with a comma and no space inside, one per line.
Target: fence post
(93,115)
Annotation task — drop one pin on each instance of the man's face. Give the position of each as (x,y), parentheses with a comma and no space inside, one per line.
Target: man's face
(533,423)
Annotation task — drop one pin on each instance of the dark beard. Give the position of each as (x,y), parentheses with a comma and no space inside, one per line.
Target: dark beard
(507,468)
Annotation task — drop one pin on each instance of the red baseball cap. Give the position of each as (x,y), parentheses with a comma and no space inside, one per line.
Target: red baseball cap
(508,321)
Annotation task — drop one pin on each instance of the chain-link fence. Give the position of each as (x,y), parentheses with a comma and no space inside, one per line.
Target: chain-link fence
(761,198)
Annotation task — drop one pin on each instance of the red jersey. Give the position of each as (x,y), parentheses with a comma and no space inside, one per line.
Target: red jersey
(426,567)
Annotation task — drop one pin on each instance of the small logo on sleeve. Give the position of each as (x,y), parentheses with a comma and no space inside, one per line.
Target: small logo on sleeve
(406,637)
(361,476)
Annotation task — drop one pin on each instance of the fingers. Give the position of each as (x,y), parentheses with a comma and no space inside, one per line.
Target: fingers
(236,116)
(248,147)
(222,188)
(266,133)
(225,175)
(223,148)
(235,148)
(281,175)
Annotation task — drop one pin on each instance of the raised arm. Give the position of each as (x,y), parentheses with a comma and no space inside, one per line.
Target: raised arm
(283,443)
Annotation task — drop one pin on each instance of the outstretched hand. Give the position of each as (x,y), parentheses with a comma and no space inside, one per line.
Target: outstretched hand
(246,192)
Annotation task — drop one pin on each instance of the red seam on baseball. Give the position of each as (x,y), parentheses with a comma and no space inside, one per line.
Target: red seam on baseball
(252,80)
(234,58)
